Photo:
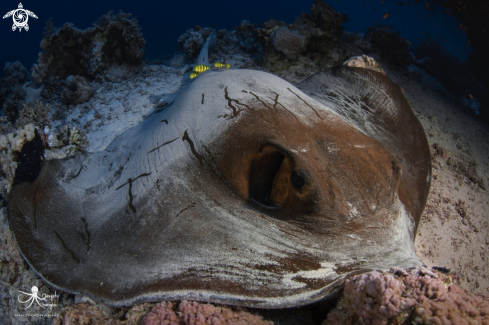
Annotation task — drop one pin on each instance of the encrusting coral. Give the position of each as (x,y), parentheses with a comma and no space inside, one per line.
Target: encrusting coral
(113,40)
(378,298)
(12,94)
(38,114)
(194,313)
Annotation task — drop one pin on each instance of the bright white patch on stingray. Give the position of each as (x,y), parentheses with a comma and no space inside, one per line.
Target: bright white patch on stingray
(353,213)
(333,149)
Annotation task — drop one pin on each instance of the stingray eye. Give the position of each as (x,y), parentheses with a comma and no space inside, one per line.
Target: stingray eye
(298,178)
(263,173)
(269,177)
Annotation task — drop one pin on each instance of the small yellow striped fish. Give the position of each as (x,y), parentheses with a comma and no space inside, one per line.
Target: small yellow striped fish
(221,65)
(201,68)
(194,74)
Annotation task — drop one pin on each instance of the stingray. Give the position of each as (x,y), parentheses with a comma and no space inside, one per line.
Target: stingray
(247,191)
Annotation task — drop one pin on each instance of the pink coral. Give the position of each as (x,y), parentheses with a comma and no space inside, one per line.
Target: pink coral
(373,298)
(194,313)
(376,298)
(451,306)
(162,314)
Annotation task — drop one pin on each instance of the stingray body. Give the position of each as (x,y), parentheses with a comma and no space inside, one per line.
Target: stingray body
(246,191)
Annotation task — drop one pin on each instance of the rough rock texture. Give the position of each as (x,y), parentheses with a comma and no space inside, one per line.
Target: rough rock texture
(15,72)
(239,47)
(311,42)
(393,48)
(194,313)
(12,94)
(77,90)
(113,40)
(376,298)
(192,40)
(290,43)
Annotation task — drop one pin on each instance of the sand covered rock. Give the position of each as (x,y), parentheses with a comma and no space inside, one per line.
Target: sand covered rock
(77,90)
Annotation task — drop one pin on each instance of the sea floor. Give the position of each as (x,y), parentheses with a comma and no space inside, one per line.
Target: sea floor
(453,232)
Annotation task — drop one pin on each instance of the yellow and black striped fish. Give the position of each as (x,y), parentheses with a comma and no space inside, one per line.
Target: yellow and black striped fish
(194,74)
(222,65)
(201,68)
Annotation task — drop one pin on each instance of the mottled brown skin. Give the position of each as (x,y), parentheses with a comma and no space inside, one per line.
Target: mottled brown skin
(272,210)
(330,179)
(402,133)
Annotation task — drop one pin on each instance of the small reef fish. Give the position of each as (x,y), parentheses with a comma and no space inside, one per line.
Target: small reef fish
(222,65)
(198,69)
(386,15)
(427,6)
(201,68)
(194,74)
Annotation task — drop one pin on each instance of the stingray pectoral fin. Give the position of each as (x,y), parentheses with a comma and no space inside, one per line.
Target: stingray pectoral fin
(376,106)
(47,222)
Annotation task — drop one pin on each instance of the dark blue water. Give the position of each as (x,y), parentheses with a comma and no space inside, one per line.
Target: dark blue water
(163,22)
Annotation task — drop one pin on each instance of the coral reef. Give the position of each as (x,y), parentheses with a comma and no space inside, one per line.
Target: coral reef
(12,94)
(86,313)
(406,298)
(240,47)
(393,48)
(290,43)
(194,313)
(192,40)
(38,114)
(15,72)
(66,142)
(113,40)
(77,91)
(10,148)
(316,36)
(20,156)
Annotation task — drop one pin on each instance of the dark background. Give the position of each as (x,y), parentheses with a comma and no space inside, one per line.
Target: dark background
(163,22)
